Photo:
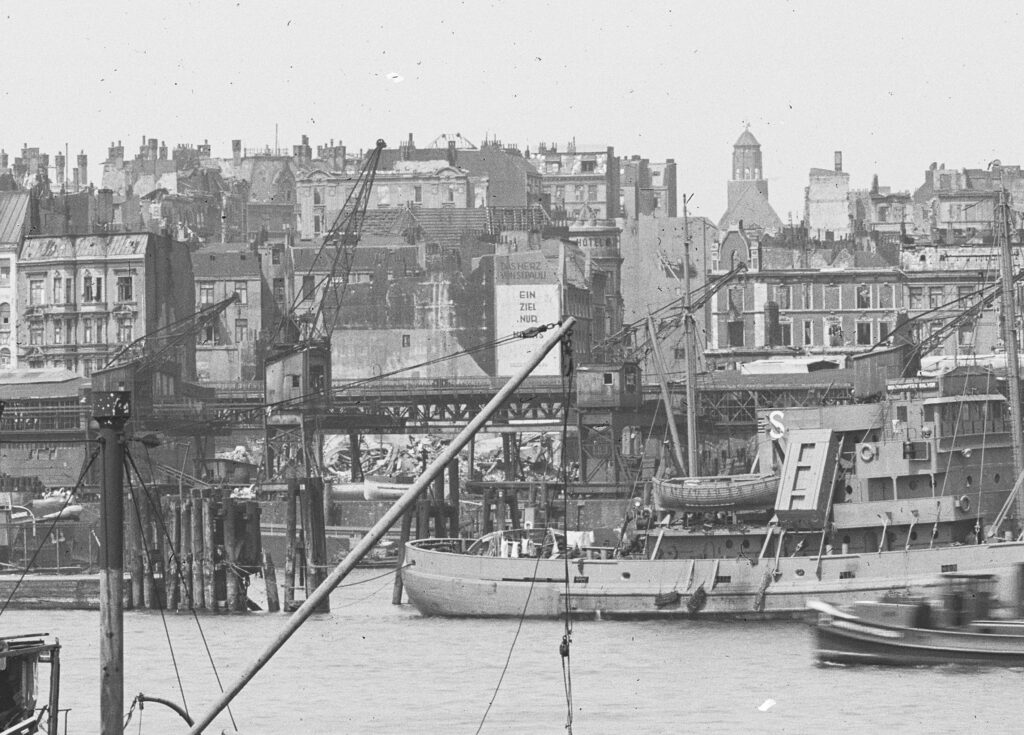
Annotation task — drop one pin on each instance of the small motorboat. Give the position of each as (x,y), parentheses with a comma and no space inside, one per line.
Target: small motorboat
(965,625)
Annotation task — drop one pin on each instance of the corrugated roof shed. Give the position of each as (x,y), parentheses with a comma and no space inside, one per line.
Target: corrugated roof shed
(13,215)
(45,383)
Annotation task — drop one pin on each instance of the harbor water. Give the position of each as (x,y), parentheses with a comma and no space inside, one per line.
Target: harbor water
(371,667)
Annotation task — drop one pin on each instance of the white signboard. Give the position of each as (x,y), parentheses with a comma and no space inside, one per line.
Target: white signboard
(519,307)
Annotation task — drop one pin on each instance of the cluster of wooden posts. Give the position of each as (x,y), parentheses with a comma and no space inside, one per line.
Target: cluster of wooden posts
(305,567)
(197,553)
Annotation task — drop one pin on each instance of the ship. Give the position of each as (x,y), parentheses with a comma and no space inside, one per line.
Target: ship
(922,477)
(908,488)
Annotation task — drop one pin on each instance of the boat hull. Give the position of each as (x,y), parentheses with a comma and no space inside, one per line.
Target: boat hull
(459,585)
(849,640)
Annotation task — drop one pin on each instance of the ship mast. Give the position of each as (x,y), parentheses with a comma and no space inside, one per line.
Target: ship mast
(689,344)
(1010,333)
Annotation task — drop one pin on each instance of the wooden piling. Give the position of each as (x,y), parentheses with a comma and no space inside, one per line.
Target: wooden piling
(316,540)
(512,500)
(356,457)
(146,545)
(488,519)
(422,518)
(437,507)
(403,538)
(185,598)
(289,560)
(454,528)
(231,548)
(270,582)
(198,582)
(209,551)
(136,568)
(171,581)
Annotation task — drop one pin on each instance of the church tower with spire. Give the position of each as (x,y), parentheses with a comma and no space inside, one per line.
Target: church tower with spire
(748,188)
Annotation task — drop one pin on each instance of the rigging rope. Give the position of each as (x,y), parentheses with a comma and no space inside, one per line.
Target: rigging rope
(86,464)
(161,601)
(567,383)
(186,583)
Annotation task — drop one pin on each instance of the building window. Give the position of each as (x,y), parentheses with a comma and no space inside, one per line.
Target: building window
(916,294)
(241,330)
(58,332)
(883,331)
(69,291)
(275,256)
(560,193)
(885,296)
(588,167)
(58,289)
(406,340)
(99,331)
(417,194)
(205,293)
(124,288)
(592,192)
(808,337)
(35,334)
(87,331)
(579,192)
(735,329)
(736,300)
(318,197)
(965,335)
(87,367)
(242,289)
(785,334)
(935,297)
(317,225)
(450,194)
(835,332)
(308,288)
(279,291)
(35,291)
(124,331)
(864,333)
(206,335)
(92,289)
(832,297)
(5,272)
(784,297)
(863,296)
(966,296)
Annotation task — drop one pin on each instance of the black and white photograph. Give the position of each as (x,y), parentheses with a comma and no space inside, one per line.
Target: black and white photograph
(525,367)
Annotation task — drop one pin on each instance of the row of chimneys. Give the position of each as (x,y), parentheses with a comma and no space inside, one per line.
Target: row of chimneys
(32,162)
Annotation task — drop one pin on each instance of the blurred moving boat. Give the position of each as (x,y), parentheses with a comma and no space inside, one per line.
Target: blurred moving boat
(964,625)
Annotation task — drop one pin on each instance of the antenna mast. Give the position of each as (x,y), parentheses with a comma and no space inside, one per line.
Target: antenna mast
(1010,328)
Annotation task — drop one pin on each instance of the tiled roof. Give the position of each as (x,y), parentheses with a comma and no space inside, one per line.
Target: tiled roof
(87,246)
(752,208)
(238,264)
(13,213)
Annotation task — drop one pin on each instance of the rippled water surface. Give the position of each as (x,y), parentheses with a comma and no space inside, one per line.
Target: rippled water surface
(371,667)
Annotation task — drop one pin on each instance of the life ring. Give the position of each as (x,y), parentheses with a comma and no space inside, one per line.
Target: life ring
(964,503)
(867,453)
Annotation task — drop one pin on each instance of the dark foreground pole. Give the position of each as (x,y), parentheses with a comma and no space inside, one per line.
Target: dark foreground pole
(382,526)
(111,410)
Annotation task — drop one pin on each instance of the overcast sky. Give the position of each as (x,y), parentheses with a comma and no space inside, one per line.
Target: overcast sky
(895,86)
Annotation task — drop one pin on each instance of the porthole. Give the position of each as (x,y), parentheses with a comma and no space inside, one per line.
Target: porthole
(799,572)
(746,543)
(997,478)
(849,490)
(913,484)
(846,540)
(970,481)
(625,575)
(913,535)
(728,543)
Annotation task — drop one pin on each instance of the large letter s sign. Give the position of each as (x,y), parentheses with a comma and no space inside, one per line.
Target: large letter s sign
(777,429)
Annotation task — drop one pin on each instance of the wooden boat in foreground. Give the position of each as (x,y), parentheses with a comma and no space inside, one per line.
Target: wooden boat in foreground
(961,626)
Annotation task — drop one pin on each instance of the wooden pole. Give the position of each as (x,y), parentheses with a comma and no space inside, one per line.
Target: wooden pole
(134,549)
(355,457)
(270,582)
(209,551)
(111,410)
(289,559)
(380,528)
(198,583)
(231,582)
(453,498)
(145,549)
(317,540)
(438,507)
(171,581)
(186,598)
(403,539)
